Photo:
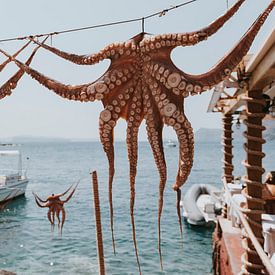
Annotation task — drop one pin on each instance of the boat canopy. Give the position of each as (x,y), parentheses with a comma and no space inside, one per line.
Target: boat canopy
(14,153)
(10,153)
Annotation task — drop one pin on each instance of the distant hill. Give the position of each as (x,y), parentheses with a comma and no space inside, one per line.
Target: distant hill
(27,139)
(208,135)
(214,135)
(269,133)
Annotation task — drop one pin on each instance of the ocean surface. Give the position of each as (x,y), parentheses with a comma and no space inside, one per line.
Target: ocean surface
(27,245)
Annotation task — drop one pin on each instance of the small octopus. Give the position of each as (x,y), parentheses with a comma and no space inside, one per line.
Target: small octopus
(56,206)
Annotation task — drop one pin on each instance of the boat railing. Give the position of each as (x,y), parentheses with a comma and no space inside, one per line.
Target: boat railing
(8,171)
(264,258)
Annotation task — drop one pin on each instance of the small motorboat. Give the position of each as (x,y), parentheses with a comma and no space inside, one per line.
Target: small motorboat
(13,182)
(170,143)
(201,204)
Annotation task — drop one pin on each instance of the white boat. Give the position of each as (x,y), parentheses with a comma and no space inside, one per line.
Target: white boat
(170,143)
(201,204)
(13,182)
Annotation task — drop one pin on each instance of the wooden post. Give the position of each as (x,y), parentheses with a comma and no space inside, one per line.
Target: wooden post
(100,251)
(227,150)
(253,179)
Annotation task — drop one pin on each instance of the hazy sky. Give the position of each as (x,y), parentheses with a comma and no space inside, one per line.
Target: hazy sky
(34,110)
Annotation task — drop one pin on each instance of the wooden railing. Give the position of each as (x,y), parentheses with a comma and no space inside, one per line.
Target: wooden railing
(264,258)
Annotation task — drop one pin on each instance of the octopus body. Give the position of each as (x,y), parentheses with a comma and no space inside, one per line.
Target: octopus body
(142,83)
(56,207)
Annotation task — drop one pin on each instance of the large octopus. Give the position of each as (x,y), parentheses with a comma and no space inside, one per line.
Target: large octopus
(56,207)
(143,83)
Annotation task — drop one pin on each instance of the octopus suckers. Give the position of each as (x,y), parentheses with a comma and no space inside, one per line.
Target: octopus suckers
(174,79)
(101,87)
(105,115)
(197,89)
(169,109)
(189,88)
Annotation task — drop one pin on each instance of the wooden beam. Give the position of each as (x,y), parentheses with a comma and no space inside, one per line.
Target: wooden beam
(262,66)
(231,105)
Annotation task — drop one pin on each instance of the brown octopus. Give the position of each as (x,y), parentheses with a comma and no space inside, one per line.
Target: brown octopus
(56,206)
(143,83)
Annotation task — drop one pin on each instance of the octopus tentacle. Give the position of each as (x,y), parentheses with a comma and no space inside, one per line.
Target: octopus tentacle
(192,38)
(115,79)
(186,151)
(63,219)
(53,218)
(97,90)
(58,217)
(39,199)
(3,65)
(70,196)
(50,218)
(11,83)
(39,204)
(173,116)
(154,133)
(77,92)
(107,122)
(228,63)
(109,52)
(172,78)
(64,193)
(134,119)
(218,23)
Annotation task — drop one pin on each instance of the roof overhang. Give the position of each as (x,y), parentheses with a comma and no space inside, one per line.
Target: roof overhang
(260,69)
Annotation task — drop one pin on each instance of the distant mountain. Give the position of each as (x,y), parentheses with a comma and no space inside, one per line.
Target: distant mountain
(214,135)
(32,139)
(27,139)
(207,135)
(269,133)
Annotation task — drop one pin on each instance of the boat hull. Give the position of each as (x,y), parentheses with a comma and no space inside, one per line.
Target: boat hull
(11,191)
(199,205)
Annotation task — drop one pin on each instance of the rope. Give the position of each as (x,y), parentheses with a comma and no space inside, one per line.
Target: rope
(253,126)
(227,153)
(227,146)
(141,19)
(249,234)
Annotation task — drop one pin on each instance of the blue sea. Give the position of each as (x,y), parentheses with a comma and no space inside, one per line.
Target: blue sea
(27,245)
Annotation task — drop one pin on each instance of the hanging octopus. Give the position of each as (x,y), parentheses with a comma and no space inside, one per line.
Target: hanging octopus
(56,207)
(142,83)
(10,84)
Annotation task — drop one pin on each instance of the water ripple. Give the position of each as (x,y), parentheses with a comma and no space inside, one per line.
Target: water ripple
(27,245)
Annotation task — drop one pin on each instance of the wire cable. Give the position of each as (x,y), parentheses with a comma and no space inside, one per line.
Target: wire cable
(141,19)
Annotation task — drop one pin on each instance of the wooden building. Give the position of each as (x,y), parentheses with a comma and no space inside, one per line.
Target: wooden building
(248,97)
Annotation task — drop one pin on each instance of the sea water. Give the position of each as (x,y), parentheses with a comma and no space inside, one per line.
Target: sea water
(27,245)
